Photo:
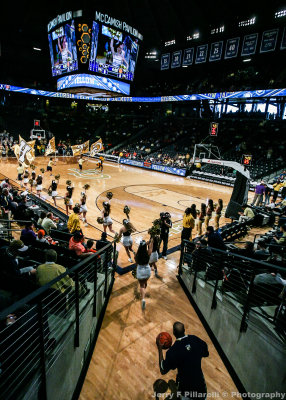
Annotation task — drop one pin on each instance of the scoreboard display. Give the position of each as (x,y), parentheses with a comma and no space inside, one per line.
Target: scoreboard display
(101,45)
(213,129)
(247,160)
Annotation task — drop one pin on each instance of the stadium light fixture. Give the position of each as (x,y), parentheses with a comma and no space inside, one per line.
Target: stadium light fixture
(170,42)
(247,22)
(37,49)
(246,60)
(280,14)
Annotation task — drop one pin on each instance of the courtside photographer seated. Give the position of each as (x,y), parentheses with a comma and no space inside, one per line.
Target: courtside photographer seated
(247,214)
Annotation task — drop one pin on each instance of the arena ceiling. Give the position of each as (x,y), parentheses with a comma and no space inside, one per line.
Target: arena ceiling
(24,26)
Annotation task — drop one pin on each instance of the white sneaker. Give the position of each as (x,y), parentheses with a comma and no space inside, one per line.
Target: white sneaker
(86,224)
(130,260)
(143,304)
(165,257)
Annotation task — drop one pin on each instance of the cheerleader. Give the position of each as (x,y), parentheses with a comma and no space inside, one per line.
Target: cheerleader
(209,212)
(154,255)
(26,179)
(143,270)
(53,190)
(218,211)
(83,208)
(39,185)
(33,181)
(50,166)
(200,219)
(126,231)
(68,198)
(107,221)
(20,170)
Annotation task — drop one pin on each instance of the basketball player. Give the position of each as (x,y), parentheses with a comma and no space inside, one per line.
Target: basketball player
(66,55)
(126,231)
(185,355)
(143,270)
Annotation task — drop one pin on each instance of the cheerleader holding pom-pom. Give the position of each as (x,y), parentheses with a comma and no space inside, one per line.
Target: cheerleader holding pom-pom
(53,191)
(126,231)
(26,179)
(107,221)
(39,185)
(83,207)
(68,197)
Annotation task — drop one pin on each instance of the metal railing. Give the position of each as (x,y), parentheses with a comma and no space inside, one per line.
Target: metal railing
(248,282)
(35,330)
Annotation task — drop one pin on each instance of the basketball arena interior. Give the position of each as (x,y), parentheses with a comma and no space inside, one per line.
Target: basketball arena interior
(142,200)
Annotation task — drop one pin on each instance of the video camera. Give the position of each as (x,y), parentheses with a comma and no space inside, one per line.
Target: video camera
(165,215)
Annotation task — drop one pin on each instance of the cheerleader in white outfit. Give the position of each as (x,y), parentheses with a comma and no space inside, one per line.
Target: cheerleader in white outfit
(26,179)
(107,221)
(83,207)
(53,189)
(39,185)
(143,270)
(154,255)
(33,180)
(126,231)
(68,198)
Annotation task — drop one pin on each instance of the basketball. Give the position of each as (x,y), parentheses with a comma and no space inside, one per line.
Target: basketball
(165,340)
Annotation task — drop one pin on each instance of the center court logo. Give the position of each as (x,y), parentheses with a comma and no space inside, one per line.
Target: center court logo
(87,174)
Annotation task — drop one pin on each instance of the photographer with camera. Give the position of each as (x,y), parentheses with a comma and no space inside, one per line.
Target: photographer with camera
(165,225)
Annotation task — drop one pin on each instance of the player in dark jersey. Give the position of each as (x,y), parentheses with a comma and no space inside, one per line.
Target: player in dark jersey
(185,355)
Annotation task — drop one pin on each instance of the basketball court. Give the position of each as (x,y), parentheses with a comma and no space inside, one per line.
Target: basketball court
(125,361)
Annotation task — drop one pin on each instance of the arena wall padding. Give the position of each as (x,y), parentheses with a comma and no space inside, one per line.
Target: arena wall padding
(239,196)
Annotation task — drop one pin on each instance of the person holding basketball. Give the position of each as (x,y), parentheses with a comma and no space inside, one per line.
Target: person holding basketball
(143,271)
(185,355)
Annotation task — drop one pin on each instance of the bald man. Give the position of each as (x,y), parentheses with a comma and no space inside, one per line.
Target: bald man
(185,355)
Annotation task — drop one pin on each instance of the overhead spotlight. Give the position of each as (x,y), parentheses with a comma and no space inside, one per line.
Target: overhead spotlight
(246,60)
(37,49)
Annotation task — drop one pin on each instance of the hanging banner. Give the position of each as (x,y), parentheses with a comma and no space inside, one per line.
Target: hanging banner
(29,155)
(24,148)
(283,41)
(201,55)
(268,41)
(78,149)
(231,48)
(165,61)
(176,59)
(188,57)
(96,147)
(51,148)
(216,51)
(249,44)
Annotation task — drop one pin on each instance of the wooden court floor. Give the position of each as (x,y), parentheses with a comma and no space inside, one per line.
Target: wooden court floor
(124,364)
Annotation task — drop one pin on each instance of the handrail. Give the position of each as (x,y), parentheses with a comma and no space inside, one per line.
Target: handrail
(41,290)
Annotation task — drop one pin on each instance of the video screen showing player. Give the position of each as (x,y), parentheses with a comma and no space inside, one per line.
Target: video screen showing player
(63,53)
(113,53)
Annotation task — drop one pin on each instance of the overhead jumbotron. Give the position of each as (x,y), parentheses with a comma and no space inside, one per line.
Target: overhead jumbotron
(89,56)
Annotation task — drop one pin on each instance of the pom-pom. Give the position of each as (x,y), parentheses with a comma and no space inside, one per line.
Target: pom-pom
(31,182)
(86,186)
(33,167)
(66,200)
(50,191)
(116,237)
(77,205)
(109,195)
(156,222)
(126,210)
(154,231)
(100,220)
(42,170)
(68,182)
(57,177)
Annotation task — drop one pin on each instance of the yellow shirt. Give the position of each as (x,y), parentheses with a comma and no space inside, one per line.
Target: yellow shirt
(277,186)
(188,221)
(80,161)
(20,169)
(49,271)
(50,163)
(73,223)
